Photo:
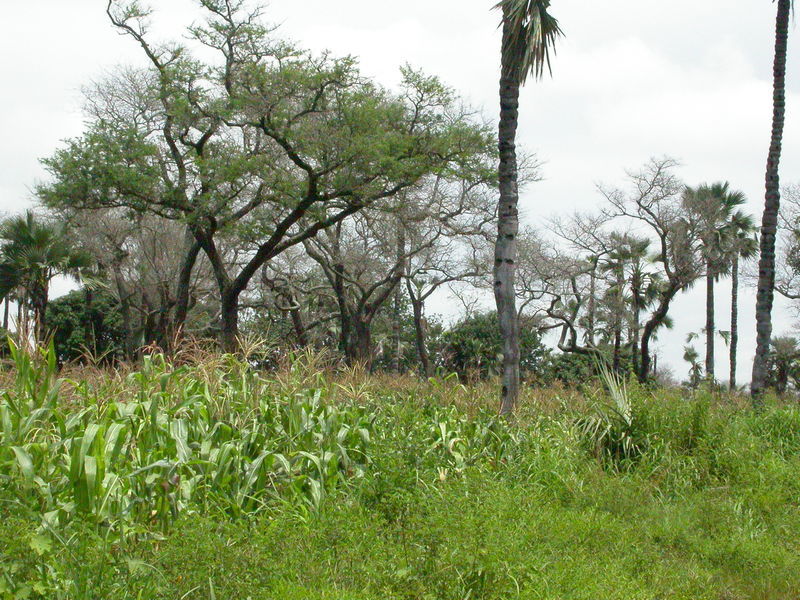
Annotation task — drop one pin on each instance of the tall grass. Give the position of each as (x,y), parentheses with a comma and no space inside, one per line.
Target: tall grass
(171,479)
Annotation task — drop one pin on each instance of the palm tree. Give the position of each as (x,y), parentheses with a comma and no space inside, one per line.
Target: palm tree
(529,36)
(714,207)
(772,202)
(743,245)
(691,356)
(32,253)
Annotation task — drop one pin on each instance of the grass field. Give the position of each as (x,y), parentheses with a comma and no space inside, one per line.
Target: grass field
(204,479)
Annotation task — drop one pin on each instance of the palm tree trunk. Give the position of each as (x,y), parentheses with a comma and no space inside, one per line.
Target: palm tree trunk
(505,255)
(617,346)
(635,335)
(769,223)
(734,320)
(710,322)
(592,301)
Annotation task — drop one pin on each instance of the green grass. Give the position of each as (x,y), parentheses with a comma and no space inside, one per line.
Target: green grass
(211,481)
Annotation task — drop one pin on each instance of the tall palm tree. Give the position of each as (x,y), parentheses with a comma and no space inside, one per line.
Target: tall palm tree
(714,207)
(743,245)
(772,202)
(529,36)
(32,253)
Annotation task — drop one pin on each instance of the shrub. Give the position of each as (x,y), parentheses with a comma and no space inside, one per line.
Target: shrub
(473,347)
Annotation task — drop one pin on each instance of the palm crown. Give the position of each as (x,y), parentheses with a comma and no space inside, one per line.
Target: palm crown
(529,37)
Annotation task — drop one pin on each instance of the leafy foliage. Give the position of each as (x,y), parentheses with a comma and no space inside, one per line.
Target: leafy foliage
(473,347)
(168,483)
(86,322)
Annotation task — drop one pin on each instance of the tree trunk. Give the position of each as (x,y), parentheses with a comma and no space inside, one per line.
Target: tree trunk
(592,301)
(656,320)
(419,332)
(229,321)
(710,322)
(131,342)
(618,317)
(397,326)
(39,300)
(359,343)
(5,313)
(769,222)
(505,255)
(183,286)
(397,330)
(299,327)
(734,341)
(635,335)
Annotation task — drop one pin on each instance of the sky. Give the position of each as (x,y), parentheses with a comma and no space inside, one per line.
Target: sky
(632,79)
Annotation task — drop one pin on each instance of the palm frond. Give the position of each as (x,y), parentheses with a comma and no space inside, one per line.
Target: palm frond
(529,38)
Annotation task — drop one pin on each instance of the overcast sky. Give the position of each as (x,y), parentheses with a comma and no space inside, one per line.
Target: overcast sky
(632,79)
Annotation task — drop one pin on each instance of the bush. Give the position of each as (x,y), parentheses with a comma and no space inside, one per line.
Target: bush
(473,348)
(86,321)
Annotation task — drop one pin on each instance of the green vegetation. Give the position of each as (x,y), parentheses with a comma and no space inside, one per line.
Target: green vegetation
(206,479)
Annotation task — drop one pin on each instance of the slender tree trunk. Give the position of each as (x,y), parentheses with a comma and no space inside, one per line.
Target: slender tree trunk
(505,255)
(710,323)
(397,330)
(40,297)
(299,327)
(635,335)
(22,325)
(620,308)
(734,342)
(5,313)
(655,321)
(419,332)
(769,223)
(125,312)
(592,301)
(183,285)
(397,325)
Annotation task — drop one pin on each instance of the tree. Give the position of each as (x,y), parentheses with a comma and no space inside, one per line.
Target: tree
(656,203)
(691,356)
(713,208)
(87,323)
(32,253)
(782,363)
(150,265)
(267,144)
(366,257)
(529,36)
(769,221)
(473,347)
(742,245)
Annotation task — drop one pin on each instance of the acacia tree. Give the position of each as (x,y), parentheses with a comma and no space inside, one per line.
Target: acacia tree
(366,257)
(141,259)
(449,248)
(769,221)
(268,142)
(529,35)
(655,203)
